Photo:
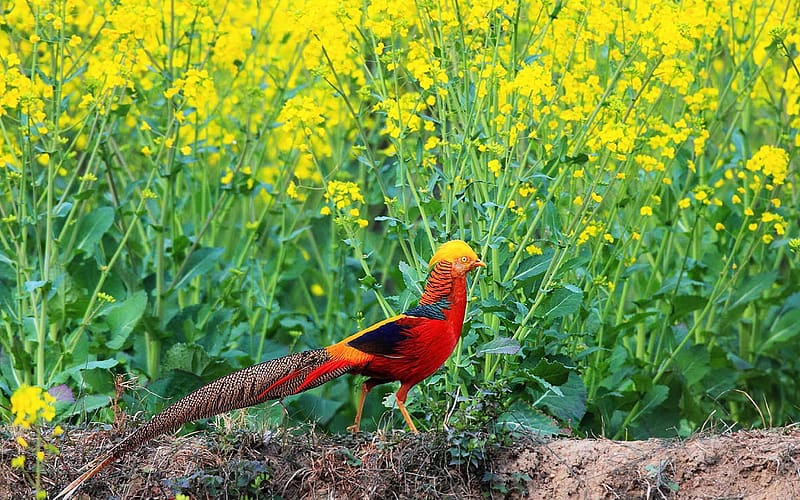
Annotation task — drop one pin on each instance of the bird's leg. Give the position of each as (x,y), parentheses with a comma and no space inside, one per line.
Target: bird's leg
(400,397)
(365,388)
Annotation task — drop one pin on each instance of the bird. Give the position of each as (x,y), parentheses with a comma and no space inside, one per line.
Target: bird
(408,348)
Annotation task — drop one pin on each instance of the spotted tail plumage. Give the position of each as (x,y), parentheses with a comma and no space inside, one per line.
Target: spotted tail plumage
(246,387)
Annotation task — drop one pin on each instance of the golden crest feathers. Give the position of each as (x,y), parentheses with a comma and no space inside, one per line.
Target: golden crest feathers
(451,251)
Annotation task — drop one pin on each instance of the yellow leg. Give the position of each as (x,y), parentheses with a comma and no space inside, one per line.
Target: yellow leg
(400,397)
(364,390)
(406,416)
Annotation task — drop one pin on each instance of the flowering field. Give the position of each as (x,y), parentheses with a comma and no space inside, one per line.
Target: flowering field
(189,187)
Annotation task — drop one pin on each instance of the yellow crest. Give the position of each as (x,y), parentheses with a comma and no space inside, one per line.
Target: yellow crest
(451,251)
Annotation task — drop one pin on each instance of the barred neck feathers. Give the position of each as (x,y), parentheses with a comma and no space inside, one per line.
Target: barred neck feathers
(439,284)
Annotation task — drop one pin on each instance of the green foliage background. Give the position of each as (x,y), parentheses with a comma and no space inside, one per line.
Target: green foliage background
(192,187)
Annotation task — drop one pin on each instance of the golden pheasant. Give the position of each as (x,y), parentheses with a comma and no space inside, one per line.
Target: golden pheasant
(407,348)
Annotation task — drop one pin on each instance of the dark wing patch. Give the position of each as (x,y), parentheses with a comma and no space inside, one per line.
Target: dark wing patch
(384,340)
(434,310)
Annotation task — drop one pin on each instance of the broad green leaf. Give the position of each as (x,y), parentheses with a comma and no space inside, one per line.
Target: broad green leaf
(499,345)
(200,262)
(753,287)
(787,328)
(5,260)
(552,371)
(410,278)
(571,404)
(30,286)
(191,358)
(534,266)
(654,397)
(76,369)
(123,318)
(92,227)
(86,404)
(561,302)
(525,418)
(694,363)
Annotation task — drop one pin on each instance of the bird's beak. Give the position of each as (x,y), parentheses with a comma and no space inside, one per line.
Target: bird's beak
(479,263)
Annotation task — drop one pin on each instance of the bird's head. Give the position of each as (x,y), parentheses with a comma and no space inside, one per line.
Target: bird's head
(462,258)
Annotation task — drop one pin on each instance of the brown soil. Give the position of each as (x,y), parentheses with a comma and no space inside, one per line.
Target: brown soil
(307,464)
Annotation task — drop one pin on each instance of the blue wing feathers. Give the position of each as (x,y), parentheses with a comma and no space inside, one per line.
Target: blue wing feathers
(384,340)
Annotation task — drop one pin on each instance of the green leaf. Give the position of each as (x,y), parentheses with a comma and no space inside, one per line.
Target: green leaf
(5,260)
(200,262)
(86,404)
(654,397)
(754,287)
(123,318)
(561,302)
(410,278)
(525,418)
(534,266)
(92,227)
(30,286)
(189,357)
(694,363)
(784,330)
(499,345)
(76,369)
(570,405)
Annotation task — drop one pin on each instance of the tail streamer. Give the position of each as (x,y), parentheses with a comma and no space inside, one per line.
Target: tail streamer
(272,379)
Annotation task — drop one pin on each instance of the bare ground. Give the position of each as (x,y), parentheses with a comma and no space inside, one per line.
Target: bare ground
(301,463)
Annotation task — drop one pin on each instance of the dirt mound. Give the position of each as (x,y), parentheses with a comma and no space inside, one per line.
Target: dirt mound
(306,464)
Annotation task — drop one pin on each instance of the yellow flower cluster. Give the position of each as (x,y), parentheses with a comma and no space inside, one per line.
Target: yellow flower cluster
(30,403)
(345,198)
(772,162)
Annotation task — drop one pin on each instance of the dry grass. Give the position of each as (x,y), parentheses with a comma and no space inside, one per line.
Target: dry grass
(303,463)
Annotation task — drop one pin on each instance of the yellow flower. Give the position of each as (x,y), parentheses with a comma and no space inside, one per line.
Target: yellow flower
(22,442)
(186,150)
(317,290)
(767,238)
(29,403)
(719,226)
(494,167)
(362,223)
(684,203)
(646,211)
(325,210)
(18,462)
(533,249)
(770,160)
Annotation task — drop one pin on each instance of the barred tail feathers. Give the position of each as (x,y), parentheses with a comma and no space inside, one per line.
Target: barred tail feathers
(272,379)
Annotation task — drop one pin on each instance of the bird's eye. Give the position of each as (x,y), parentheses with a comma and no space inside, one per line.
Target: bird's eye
(464,259)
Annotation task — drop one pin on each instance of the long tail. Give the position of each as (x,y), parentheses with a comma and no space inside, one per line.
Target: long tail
(249,386)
